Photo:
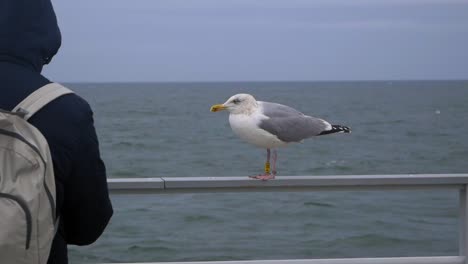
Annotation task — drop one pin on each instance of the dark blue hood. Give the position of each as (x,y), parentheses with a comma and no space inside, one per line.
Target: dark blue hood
(29,34)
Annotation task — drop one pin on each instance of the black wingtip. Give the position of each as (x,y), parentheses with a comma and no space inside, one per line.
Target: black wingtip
(336,129)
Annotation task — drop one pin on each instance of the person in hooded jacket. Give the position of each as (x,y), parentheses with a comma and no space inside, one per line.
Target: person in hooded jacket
(29,38)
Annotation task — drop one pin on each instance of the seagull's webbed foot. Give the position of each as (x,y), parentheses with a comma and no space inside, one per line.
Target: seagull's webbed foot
(263,177)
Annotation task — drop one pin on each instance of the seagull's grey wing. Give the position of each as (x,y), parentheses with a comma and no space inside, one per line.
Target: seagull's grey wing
(294,129)
(290,125)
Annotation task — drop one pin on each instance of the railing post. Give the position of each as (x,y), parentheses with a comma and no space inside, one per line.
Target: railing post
(463,228)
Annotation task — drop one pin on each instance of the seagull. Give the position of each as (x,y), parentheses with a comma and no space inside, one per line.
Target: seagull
(270,125)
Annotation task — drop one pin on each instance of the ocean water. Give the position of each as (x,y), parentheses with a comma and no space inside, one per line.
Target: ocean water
(166,129)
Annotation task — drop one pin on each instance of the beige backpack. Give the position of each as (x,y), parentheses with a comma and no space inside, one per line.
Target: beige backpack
(27,186)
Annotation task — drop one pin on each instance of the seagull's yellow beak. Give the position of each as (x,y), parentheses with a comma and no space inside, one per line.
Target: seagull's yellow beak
(217,107)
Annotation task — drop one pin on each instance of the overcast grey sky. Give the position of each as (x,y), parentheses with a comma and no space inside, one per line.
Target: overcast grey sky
(257,40)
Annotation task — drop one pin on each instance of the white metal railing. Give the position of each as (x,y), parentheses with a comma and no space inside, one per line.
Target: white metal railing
(457,182)
(406,260)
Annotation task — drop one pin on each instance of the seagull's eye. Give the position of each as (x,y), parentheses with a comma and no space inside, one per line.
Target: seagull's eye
(236,101)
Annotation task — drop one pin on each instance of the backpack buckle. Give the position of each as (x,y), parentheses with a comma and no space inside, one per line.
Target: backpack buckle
(22,112)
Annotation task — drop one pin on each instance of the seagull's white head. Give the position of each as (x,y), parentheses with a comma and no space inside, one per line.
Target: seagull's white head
(237,104)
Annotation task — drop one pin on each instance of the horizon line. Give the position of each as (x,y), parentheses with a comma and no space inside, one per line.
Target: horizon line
(275,81)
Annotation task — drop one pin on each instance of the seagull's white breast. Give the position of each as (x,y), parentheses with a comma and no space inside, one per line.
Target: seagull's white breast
(245,126)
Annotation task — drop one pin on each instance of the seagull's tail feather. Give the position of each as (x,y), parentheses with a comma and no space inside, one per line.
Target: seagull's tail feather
(336,129)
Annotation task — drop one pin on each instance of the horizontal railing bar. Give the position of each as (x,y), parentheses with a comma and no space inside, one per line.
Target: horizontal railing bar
(286,183)
(397,260)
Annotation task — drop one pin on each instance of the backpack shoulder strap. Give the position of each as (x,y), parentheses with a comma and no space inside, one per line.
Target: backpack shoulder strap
(39,98)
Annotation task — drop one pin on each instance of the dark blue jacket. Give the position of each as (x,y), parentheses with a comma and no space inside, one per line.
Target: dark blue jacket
(29,38)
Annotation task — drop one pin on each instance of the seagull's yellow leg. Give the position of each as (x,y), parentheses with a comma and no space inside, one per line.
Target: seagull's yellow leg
(267,163)
(267,167)
(267,175)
